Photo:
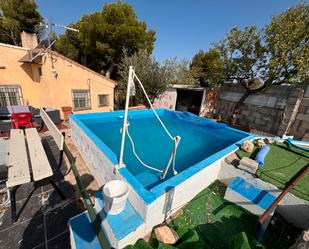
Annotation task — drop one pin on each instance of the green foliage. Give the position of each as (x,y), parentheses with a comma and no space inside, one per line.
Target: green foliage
(68,45)
(180,72)
(240,241)
(16,16)
(244,56)
(154,77)
(103,36)
(208,67)
(257,59)
(287,41)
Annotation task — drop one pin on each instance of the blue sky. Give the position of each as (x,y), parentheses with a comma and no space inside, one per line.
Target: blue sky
(183,26)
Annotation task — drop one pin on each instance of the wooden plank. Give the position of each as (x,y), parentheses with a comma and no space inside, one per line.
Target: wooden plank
(54,131)
(19,168)
(4,151)
(39,162)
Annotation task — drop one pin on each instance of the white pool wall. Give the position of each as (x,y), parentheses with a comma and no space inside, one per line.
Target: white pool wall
(171,201)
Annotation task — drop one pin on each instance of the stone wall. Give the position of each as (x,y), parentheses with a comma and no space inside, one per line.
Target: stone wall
(279,110)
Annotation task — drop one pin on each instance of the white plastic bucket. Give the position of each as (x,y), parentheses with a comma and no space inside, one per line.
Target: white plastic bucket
(115,194)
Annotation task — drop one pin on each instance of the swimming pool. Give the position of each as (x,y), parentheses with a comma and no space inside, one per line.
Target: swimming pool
(203,145)
(200,139)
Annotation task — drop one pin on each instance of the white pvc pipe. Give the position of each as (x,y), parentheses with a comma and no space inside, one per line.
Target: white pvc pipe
(172,158)
(125,118)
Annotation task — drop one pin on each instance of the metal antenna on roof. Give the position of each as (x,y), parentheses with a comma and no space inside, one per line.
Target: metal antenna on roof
(47,27)
(65,27)
(45,30)
(50,24)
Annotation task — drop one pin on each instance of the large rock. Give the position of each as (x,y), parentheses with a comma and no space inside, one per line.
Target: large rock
(306,236)
(260,143)
(232,159)
(247,146)
(166,235)
(248,165)
(270,140)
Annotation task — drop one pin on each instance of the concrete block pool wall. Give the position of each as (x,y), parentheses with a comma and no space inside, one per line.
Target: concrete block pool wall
(163,200)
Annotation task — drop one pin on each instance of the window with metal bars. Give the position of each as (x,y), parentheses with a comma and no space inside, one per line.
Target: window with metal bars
(81,99)
(103,100)
(10,95)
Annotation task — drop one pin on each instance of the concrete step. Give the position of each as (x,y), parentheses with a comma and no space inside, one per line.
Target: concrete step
(121,230)
(248,196)
(82,233)
(292,208)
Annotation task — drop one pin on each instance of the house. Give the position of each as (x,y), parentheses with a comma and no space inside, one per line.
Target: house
(36,76)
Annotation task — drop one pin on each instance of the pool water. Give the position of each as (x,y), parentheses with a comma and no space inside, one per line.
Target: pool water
(200,138)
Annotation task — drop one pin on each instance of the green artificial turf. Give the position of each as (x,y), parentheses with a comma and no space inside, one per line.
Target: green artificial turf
(208,221)
(240,241)
(281,164)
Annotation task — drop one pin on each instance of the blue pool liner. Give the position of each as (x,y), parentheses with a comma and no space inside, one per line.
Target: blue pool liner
(196,120)
(262,154)
(151,195)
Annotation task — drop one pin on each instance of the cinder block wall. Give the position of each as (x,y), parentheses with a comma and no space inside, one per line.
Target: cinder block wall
(301,124)
(270,111)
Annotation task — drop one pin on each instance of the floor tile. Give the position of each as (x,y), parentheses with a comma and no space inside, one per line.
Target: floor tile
(41,246)
(58,178)
(23,235)
(24,190)
(51,198)
(60,242)
(32,209)
(57,219)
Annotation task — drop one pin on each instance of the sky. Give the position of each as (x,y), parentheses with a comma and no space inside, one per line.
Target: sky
(183,27)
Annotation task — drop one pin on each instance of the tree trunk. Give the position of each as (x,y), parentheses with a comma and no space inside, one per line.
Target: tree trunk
(109,71)
(235,111)
(84,60)
(236,108)
(13,38)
